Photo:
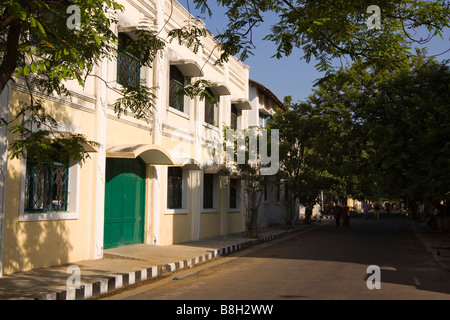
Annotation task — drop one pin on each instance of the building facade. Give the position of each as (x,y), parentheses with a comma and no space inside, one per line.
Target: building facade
(161,180)
(274,208)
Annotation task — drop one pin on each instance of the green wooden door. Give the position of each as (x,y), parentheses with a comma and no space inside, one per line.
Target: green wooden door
(124,202)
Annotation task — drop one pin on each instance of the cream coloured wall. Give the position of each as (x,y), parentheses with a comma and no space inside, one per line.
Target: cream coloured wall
(210,224)
(236,222)
(185,136)
(32,244)
(127,131)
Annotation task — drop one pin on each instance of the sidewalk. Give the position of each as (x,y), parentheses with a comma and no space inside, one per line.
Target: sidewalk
(128,265)
(436,242)
(125,266)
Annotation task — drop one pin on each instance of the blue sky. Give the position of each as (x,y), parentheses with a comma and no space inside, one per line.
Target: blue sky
(290,75)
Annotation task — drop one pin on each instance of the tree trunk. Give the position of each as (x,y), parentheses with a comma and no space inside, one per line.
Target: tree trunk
(308,214)
(9,63)
(293,211)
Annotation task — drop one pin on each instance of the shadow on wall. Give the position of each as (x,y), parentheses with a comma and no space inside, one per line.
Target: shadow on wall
(31,244)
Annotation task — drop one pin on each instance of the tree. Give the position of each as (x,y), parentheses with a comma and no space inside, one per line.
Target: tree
(338,100)
(244,161)
(411,134)
(387,131)
(37,46)
(304,171)
(326,30)
(329,30)
(45,43)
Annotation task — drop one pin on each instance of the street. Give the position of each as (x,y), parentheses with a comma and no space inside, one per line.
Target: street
(324,262)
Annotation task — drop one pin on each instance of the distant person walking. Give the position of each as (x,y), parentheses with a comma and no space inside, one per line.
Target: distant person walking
(366,209)
(337,212)
(345,216)
(388,207)
(422,210)
(377,211)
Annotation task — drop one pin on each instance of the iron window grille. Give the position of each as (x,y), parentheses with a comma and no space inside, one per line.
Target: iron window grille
(264,119)
(209,110)
(265,189)
(233,193)
(46,188)
(128,66)
(175,188)
(128,69)
(278,191)
(208,191)
(176,84)
(234,117)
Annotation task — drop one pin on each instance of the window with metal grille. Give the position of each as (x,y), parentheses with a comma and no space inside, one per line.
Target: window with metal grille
(265,189)
(176,83)
(233,193)
(264,119)
(208,191)
(128,66)
(46,188)
(174,188)
(210,110)
(234,117)
(278,191)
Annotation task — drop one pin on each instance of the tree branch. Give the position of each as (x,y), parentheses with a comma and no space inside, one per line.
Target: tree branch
(6,21)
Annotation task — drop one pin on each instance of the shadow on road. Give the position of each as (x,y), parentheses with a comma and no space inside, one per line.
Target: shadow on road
(389,243)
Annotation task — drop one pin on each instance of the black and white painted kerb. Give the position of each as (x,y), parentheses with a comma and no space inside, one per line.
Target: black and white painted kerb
(117,281)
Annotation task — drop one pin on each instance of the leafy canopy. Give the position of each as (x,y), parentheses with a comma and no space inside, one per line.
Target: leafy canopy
(329,29)
(39,48)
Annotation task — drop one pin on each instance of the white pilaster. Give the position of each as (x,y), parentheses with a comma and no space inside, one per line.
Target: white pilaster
(159,68)
(4,113)
(100,176)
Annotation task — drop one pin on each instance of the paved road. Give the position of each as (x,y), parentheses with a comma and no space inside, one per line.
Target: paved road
(320,263)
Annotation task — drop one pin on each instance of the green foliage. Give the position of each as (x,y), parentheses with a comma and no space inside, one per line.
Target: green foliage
(137,100)
(249,171)
(329,29)
(189,35)
(302,166)
(197,89)
(37,45)
(411,131)
(39,136)
(387,132)
(367,133)
(358,132)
